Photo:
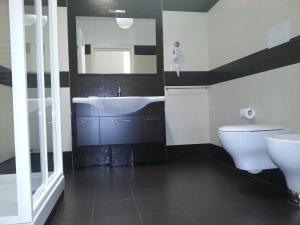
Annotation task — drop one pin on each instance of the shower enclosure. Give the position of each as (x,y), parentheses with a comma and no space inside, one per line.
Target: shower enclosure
(31,174)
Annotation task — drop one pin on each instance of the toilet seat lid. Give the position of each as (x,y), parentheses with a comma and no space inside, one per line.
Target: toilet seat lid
(250,128)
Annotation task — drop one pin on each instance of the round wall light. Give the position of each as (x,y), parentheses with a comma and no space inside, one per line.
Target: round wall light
(125,23)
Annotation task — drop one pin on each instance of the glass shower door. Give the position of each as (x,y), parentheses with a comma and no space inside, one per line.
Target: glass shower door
(31,177)
(8,182)
(49,91)
(41,93)
(34,92)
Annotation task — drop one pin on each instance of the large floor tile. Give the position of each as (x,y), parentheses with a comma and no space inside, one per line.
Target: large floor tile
(118,221)
(168,218)
(156,205)
(202,192)
(117,210)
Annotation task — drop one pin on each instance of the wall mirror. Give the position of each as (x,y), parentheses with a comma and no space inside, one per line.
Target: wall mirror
(116,45)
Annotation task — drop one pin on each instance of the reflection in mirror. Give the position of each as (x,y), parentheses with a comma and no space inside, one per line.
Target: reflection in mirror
(116,45)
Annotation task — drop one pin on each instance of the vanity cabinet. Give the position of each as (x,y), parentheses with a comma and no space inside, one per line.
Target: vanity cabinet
(106,139)
(97,128)
(120,130)
(153,129)
(88,131)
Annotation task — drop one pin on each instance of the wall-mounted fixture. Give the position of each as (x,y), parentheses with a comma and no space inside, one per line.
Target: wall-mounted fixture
(125,23)
(248,113)
(119,105)
(176,58)
(246,145)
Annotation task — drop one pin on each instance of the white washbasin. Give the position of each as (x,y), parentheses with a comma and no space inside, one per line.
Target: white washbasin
(119,105)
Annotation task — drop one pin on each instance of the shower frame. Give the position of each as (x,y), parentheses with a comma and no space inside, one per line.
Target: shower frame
(34,209)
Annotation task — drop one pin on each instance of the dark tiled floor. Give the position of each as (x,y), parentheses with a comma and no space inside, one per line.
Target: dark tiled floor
(183,193)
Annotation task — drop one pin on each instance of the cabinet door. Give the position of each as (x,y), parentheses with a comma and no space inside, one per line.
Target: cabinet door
(88,131)
(120,130)
(153,129)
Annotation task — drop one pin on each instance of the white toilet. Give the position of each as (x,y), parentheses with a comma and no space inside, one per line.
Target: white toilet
(247,146)
(284,151)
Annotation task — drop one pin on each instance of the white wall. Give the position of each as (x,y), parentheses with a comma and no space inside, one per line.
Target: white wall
(63,49)
(145,64)
(190,29)
(273,94)
(65,106)
(7,148)
(65,99)
(237,28)
(187,116)
(187,111)
(4,34)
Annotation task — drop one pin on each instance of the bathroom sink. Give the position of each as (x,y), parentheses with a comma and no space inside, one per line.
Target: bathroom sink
(119,105)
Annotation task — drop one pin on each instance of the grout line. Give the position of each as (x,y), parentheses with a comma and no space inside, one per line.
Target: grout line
(93,203)
(184,209)
(181,206)
(135,203)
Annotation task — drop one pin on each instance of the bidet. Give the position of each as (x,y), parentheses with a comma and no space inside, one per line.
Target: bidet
(284,151)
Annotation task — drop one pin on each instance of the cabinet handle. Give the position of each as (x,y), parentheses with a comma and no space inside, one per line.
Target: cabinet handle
(119,121)
(85,121)
(153,119)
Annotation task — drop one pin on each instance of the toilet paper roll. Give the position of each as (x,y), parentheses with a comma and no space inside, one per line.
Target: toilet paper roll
(248,113)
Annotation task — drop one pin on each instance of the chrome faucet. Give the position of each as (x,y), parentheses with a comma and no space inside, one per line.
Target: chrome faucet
(119,91)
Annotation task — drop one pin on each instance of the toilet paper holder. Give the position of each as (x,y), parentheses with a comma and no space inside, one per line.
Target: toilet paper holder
(248,113)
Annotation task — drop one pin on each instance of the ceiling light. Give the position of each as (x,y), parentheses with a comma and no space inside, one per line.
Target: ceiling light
(120,11)
(125,23)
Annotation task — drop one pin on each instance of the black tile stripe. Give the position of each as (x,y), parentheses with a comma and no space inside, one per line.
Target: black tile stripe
(88,49)
(267,59)
(144,50)
(64,79)
(187,78)
(6,79)
(5,76)
(9,166)
(60,3)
